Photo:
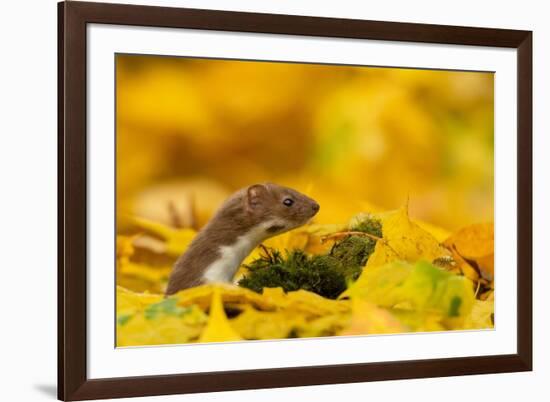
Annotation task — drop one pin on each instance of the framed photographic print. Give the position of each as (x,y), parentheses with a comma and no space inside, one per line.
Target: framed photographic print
(253,200)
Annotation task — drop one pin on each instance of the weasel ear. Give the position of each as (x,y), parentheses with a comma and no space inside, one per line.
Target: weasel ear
(254,195)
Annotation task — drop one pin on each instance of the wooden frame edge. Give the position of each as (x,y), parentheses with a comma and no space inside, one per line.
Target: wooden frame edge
(72,380)
(71,194)
(60,203)
(290,377)
(525,198)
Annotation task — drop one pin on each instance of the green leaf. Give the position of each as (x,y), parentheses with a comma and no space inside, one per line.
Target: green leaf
(421,287)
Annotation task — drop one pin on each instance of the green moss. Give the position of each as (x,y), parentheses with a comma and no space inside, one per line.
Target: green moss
(368,225)
(353,253)
(319,274)
(326,275)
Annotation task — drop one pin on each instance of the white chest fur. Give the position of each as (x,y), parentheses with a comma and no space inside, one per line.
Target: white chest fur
(225,267)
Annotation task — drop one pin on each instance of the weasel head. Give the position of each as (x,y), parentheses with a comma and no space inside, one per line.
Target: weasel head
(278,208)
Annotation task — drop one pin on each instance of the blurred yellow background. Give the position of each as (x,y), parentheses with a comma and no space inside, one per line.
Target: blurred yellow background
(191,131)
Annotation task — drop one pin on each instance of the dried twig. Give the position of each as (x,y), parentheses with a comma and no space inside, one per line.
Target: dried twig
(339,235)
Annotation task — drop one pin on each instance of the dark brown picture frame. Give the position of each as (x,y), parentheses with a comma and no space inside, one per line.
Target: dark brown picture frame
(73,383)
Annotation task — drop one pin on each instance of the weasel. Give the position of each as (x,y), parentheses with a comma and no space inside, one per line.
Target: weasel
(245,219)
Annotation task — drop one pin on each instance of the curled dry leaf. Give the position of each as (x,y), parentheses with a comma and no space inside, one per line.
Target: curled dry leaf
(474,246)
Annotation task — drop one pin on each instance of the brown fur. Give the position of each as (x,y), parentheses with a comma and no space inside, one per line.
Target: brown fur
(241,212)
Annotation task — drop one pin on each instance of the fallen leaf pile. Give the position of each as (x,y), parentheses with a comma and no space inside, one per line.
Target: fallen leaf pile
(407,281)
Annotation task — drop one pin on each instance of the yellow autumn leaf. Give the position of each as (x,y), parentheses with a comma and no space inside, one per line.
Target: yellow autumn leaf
(481,316)
(304,302)
(129,302)
(311,303)
(419,321)
(383,254)
(380,282)
(202,296)
(254,324)
(404,240)
(139,331)
(439,233)
(149,319)
(218,328)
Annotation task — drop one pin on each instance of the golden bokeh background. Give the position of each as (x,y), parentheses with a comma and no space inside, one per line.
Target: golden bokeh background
(191,131)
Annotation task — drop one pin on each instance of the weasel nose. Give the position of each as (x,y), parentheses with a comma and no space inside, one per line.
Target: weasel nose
(315,207)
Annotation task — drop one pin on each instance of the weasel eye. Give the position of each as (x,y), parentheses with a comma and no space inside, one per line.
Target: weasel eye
(288,202)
